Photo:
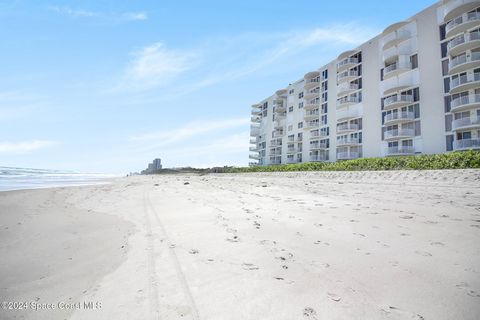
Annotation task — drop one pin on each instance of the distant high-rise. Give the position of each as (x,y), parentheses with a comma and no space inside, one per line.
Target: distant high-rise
(414,89)
(155,165)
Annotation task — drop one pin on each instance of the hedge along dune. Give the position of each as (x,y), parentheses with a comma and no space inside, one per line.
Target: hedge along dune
(454,160)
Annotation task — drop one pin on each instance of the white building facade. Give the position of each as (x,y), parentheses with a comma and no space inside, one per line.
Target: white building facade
(414,89)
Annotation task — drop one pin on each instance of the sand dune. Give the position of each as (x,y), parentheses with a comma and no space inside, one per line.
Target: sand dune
(328,245)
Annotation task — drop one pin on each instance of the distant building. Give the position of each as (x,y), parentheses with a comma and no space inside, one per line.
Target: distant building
(155,165)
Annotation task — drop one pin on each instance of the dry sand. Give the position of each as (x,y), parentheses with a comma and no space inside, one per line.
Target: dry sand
(359,245)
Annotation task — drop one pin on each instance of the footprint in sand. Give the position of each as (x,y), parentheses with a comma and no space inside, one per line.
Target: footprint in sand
(437,243)
(406,217)
(334,297)
(249,266)
(309,313)
(400,314)
(423,253)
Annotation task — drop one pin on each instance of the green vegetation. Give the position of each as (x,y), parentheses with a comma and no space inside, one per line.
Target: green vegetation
(453,160)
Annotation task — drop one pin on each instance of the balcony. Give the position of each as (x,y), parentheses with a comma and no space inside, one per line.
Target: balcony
(318,157)
(279,107)
(347,75)
(253,149)
(465,82)
(463,42)
(346,63)
(466,123)
(281,93)
(396,134)
(278,134)
(311,125)
(463,62)
(466,144)
(312,104)
(345,88)
(291,150)
(394,84)
(395,38)
(276,143)
(275,161)
(256,112)
(464,103)
(398,117)
(318,146)
(254,131)
(276,152)
(348,155)
(254,156)
(347,101)
(347,142)
(311,114)
(311,83)
(400,151)
(349,113)
(291,160)
(256,119)
(318,134)
(312,94)
(397,101)
(462,23)
(454,8)
(253,141)
(348,127)
(395,69)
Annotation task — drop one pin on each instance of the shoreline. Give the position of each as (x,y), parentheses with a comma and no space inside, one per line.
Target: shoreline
(276,245)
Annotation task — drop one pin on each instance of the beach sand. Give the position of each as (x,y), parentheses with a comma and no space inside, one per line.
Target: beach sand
(325,245)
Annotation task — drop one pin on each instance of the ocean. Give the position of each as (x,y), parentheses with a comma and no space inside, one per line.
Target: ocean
(27,178)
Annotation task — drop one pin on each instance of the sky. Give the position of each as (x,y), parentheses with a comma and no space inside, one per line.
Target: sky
(106,86)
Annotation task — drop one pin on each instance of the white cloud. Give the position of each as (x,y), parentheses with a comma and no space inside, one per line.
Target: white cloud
(109,16)
(154,66)
(25,146)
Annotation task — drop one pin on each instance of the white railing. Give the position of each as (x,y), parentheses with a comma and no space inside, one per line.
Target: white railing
(348,73)
(399,98)
(312,113)
(347,141)
(291,150)
(348,87)
(464,18)
(465,122)
(396,66)
(399,133)
(318,157)
(464,100)
(347,127)
(466,144)
(318,145)
(404,115)
(464,58)
(400,150)
(347,61)
(463,38)
(464,79)
(278,134)
(311,124)
(348,100)
(348,155)
(396,35)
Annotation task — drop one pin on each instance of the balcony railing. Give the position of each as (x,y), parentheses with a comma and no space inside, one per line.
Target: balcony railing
(466,144)
(394,116)
(348,155)
(461,20)
(346,87)
(463,38)
(464,79)
(312,113)
(453,8)
(347,127)
(278,134)
(311,124)
(395,151)
(464,101)
(463,59)
(276,143)
(347,74)
(397,133)
(319,145)
(291,150)
(396,67)
(318,134)
(347,141)
(394,38)
(319,157)
(347,101)
(399,99)
(465,122)
(347,61)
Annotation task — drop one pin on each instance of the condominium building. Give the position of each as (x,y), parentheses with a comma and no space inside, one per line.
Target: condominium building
(414,89)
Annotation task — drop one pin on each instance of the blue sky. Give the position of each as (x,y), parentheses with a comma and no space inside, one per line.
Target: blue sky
(105,86)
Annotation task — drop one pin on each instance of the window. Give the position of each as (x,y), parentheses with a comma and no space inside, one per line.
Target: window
(291,91)
(442,32)
(300,105)
(414,61)
(449,143)
(443,48)
(300,125)
(447,101)
(448,122)
(290,127)
(445,67)
(446,85)
(300,95)
(290,109)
